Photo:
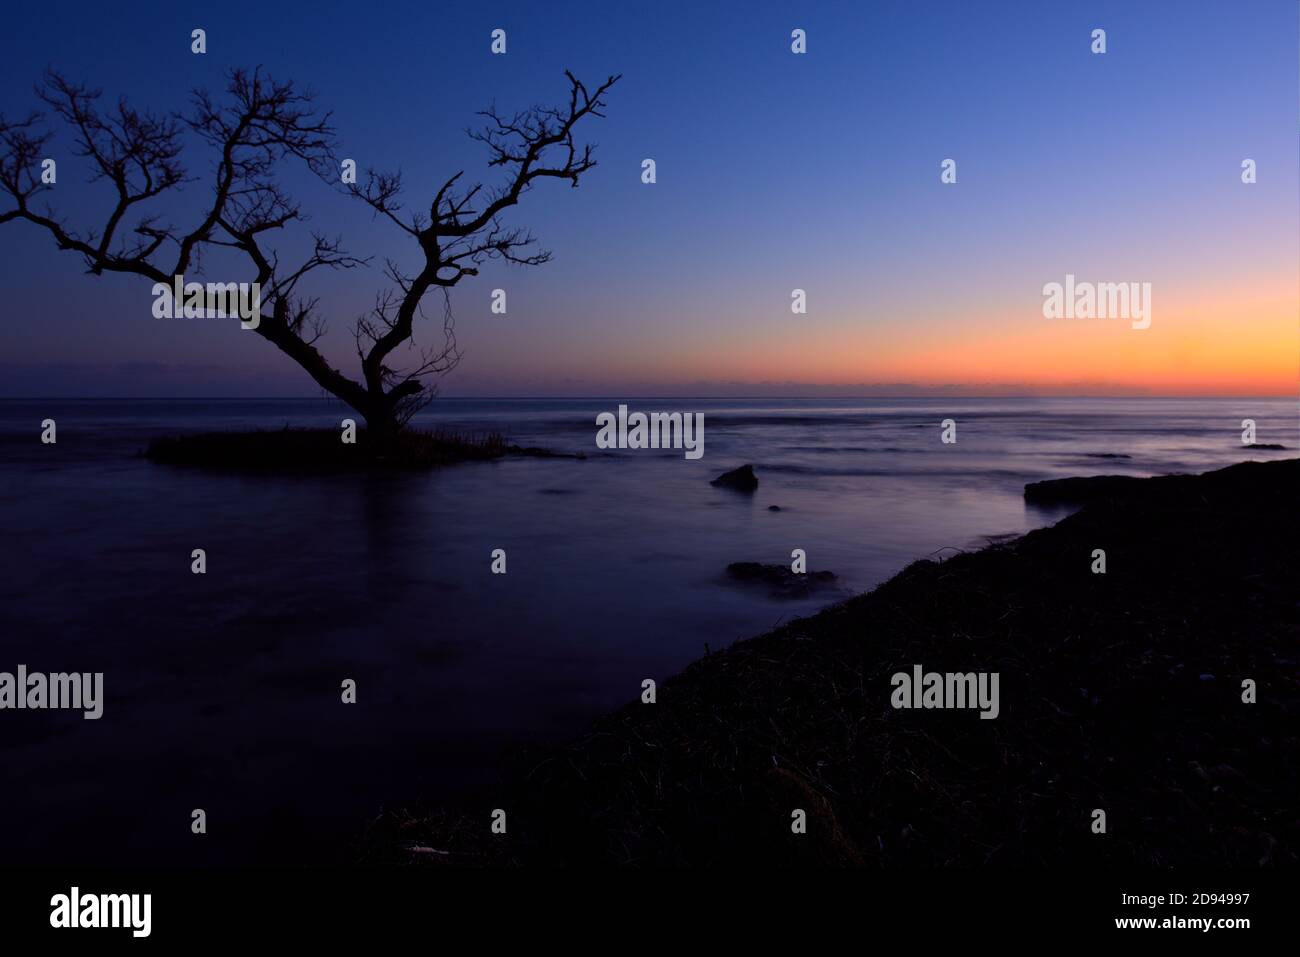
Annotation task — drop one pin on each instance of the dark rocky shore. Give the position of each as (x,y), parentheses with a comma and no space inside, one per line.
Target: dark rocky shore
(1120,691)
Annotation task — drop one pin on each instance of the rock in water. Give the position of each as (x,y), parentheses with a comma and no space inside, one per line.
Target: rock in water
(742,479)
(780,580)
(1079,491)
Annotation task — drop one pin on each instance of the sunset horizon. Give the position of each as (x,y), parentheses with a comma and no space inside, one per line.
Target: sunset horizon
(875,263)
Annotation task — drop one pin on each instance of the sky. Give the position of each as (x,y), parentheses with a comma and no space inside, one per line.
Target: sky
(775,172)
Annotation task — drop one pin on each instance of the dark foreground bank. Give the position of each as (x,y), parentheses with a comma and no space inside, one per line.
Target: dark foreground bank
(1120,692)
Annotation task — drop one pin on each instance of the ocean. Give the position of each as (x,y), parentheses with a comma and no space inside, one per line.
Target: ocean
(222,691)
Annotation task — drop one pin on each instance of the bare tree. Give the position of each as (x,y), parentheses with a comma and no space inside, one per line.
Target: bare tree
(262,124)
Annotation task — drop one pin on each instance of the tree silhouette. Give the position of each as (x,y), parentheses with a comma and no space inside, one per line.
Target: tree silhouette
(260,125)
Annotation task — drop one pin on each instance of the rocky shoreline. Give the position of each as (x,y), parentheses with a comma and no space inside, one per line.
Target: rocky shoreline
(1122,691)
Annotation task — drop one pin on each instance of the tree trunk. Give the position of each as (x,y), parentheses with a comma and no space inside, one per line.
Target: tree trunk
(381,430)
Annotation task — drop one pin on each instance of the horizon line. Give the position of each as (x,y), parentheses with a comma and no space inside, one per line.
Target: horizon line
(512,398)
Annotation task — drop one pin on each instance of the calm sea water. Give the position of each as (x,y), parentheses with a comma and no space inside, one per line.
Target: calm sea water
(223,690)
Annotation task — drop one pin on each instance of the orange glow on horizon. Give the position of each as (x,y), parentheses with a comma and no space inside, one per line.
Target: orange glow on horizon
(1191,348)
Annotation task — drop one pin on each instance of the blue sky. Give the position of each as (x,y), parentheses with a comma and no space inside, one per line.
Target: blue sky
(775,172)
